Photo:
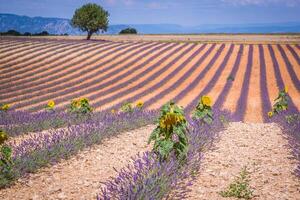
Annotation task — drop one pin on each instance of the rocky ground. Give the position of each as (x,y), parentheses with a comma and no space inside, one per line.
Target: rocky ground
(261,148)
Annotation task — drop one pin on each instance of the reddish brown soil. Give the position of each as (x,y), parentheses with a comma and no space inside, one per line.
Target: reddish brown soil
(235,91)
(253,108)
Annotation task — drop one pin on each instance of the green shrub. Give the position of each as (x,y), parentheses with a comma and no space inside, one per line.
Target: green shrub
(6,163)
(170,133)
(203,111)
(81,107)
(240,188)
(281,102)
(127,107)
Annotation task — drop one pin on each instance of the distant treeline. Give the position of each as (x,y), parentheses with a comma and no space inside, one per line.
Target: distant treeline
(16,33)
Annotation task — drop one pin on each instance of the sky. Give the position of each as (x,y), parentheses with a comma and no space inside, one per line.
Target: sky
(182,12)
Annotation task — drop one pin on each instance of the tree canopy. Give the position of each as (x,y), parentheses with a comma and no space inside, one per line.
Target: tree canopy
(90,18)
(128,31)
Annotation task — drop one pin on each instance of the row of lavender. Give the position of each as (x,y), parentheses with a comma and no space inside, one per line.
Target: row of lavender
(148,177)
(48,147)
(289,121)
(101,84)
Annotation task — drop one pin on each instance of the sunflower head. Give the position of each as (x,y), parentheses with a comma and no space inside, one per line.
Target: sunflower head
(139,104)
(270,114)
(3,137)
(75,103)
(286,89)
(206,100)
(171,119)
(51,104)
(5,107)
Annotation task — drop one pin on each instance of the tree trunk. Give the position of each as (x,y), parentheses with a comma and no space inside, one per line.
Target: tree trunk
(89,35)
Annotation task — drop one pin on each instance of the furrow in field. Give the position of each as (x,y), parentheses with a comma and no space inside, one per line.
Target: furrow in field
(66,72)
(22,51)
(232,98)
(272,82)
(15,59)
(52,69)
(71,73)
(145,92)
(284,77)
(175,85)
(244,95)
(15,45)
(185,90)
(229,83)
(204,82)
(163,84)
(294,52)
(22,47)
(6,42)
(292,60)
(264,92)
(192,91)
(142,78)
(216,91)
(254,112)
(291,69)
(24,56)
(101,80)
(37,66)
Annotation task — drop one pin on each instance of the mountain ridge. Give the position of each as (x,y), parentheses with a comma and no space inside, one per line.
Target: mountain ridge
(23,23)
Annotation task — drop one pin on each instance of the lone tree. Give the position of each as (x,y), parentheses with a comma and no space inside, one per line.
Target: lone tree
(90,18)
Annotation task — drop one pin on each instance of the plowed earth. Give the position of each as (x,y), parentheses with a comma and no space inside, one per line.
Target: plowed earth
(32,72)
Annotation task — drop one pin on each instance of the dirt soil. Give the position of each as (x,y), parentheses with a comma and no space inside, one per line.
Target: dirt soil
(80,177)
(216,38)
(260,147)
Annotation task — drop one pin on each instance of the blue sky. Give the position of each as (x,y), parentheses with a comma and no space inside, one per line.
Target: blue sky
(183,12)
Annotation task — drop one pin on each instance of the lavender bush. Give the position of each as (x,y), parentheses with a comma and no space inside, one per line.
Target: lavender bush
(289,121)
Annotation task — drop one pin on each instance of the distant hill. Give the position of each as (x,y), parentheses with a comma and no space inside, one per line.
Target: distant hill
(61,26)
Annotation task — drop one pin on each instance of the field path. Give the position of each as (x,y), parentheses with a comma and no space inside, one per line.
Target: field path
(79,177)
(263,150)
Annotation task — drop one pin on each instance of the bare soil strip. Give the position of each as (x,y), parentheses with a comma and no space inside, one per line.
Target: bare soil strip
(260,147)
(80,177)
(254,107)
(234,93)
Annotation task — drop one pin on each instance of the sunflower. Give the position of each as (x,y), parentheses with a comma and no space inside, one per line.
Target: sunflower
(171,119)
(3,136)
(139,104)
(270,114)
(51,104)
(286,89)
(206,100)
(75,103)
(5,107)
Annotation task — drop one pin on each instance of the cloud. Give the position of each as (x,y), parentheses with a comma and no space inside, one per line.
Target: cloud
(290,3)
